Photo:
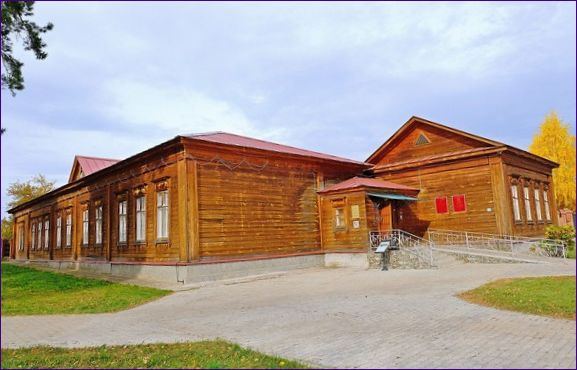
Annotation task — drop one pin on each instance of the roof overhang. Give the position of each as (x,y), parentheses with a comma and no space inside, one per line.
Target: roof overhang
(391,196)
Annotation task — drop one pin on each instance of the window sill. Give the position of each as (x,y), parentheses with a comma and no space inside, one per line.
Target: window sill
(162,242)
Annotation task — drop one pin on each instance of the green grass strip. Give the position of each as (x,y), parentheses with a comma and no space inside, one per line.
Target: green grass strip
(28,291)
(205,354)
(552,296)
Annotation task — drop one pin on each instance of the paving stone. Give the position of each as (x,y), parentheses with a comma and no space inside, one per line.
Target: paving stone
(336,318)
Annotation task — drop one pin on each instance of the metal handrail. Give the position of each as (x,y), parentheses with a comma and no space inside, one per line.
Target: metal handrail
(497,236)
(405,241)
(503,243)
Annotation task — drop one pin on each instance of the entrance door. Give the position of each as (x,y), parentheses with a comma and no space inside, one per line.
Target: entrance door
(386,216)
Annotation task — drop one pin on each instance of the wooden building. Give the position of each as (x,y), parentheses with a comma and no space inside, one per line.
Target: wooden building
(220,197)
(466,182)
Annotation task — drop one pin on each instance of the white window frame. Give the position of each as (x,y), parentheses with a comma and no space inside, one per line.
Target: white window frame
(340,221)
(47,233)
(122,221)
(68,239)
(162,215)
(59,231)
(527,199)
(85,226)
(39,235)
(538,205)
(20,237)
(140,207)
(98,225)
(33,243)
(516,205)
(547,206)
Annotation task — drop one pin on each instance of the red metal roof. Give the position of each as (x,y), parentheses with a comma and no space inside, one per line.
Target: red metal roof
(89,165)
(363,182)
(248,142)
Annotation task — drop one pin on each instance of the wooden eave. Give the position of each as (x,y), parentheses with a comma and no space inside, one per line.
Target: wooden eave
(86,180)
(236,149)
(449,157)
(531,156)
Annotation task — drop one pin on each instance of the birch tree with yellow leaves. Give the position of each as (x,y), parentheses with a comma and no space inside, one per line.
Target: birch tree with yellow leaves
(555,142)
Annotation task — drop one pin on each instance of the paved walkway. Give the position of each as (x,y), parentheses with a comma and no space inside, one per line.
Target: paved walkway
(337,318)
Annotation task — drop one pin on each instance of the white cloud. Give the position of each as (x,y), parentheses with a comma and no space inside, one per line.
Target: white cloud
(178,110)
(173,108)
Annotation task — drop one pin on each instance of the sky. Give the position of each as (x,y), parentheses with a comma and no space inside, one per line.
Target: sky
(338,78)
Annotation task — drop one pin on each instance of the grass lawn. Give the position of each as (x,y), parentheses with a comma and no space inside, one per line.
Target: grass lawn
(552,296)
(27,291)
(205,354)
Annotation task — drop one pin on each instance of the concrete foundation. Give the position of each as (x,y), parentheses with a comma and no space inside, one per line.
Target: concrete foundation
(203,272)
(228,270)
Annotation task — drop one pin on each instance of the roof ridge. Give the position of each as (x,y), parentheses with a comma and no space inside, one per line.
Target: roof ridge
(92,157)
(206,133)
(335,157)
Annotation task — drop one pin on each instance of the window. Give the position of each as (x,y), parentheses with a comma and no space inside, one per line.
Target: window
(122,208)
(528,213)
(98,219)
(46,234)
(515,198)
(33,236)
(68,229)
(546,202)
(140,219)
(441,205)
(162,214)
(20,237)
(59,231)
(459,203)
(39,234)
(339,218)
(422,140)
(85,226)
(538,206)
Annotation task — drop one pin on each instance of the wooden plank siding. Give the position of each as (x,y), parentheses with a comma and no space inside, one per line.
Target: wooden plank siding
(252,203)
(471,178)
(345,238)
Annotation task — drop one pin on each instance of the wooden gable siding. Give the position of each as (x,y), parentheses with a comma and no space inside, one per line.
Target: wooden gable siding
(346,238)
(441,141)
(254,203)
(471,178)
